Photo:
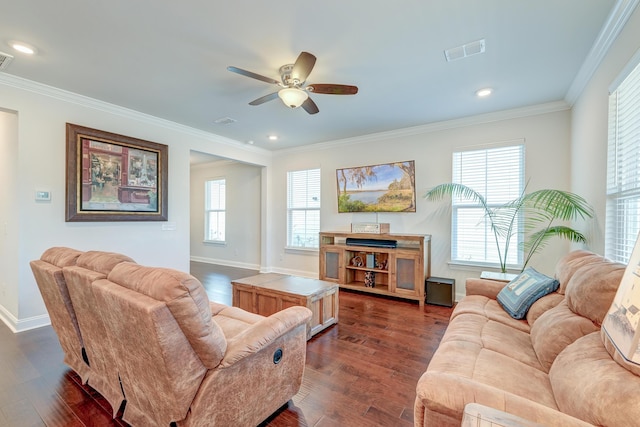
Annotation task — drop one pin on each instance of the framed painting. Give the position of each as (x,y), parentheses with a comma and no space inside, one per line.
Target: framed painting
(112,177)
(388,187)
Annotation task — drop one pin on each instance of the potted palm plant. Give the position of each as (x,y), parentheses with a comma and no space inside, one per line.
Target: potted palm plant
(540,212)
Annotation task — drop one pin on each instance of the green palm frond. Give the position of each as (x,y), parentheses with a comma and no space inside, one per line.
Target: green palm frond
(537,212)
(560,205)
(442,191)
(538,240)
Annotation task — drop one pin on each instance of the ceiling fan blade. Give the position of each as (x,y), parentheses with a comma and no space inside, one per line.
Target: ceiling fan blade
(303,66)
(264,99)
(310,106)
(252,75)
(332,89)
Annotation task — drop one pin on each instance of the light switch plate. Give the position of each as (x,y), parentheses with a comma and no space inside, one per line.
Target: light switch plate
(43,195)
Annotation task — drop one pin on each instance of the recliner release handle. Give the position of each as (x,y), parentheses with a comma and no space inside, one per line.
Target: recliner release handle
(277,356)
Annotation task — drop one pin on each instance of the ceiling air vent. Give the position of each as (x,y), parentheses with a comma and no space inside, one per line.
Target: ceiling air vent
(224,121)
(5,60)
(466,50)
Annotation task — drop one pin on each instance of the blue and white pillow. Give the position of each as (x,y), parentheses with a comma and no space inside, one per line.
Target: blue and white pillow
(518,295)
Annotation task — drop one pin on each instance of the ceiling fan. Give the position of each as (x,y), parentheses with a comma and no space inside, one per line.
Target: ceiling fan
(294,93)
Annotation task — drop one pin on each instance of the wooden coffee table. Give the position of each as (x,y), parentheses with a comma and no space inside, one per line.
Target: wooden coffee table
(269,293)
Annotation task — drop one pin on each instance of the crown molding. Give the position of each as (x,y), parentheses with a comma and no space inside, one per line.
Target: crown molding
(533,110)
(105,107)
(616,21)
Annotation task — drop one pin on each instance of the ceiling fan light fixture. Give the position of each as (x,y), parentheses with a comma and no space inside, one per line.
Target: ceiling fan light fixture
(293,97)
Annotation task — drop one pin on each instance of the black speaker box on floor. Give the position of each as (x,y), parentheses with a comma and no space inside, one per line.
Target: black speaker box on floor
(440,291)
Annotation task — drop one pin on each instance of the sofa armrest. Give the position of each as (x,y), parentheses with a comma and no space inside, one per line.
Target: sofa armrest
(476,414)
(485,287)
(263,333)
(449,394)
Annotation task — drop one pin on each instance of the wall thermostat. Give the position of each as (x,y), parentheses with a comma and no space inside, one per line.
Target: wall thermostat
(43,195)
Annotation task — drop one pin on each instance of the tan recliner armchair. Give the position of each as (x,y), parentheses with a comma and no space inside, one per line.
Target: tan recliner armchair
(104,376)
(183,359)
(55,294)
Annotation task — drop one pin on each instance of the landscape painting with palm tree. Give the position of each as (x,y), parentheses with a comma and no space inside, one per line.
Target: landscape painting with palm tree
(388,187)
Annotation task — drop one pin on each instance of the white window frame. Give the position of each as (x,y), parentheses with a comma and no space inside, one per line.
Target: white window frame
(622,222)
(215,207)
(303,209)
(477,247)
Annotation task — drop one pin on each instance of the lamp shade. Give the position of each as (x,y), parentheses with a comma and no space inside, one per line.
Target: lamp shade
(292,97)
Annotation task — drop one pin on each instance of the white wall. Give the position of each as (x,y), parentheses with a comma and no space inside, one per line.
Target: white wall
(565,150)
(547,140)
(8,214)
(589,126)
(42,113)
(243,206)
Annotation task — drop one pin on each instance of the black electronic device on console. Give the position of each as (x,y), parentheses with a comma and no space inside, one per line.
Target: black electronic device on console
(373,243)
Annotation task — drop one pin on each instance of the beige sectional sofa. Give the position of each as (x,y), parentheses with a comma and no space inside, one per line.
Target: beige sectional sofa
(149,340)
(551,368)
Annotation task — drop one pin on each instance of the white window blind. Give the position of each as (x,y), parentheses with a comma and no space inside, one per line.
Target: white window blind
(215,210)
(303,208)
(498,175)
(623,169)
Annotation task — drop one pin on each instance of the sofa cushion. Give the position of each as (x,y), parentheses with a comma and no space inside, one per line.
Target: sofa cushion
(592,287)
(588,384)
(232,320)
(479,374)
(488,308)
(186,299)
(570,263)
(524,290)
(493,336)
(101,262)
(555,330)
(541,306)
(60,256)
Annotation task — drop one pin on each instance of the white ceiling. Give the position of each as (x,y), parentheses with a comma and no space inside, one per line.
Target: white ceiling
(168,58)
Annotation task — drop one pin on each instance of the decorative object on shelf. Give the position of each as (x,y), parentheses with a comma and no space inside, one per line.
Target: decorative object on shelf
(370,227)
(356,261)
(371,260)
(113,177)
(382,265)
(538,209)
(370,279)
(389,187)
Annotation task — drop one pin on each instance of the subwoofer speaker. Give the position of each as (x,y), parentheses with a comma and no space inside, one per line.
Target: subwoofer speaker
(440,291)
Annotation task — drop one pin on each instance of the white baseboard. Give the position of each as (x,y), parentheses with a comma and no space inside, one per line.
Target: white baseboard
(226,262)
(20,325)
(290,272)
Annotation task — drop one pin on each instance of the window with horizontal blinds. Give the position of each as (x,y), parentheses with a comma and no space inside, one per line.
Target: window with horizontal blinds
(498,175)
(303,208)
(623,168)
(215,210)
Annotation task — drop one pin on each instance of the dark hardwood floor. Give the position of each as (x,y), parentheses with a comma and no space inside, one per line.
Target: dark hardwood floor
(360,372)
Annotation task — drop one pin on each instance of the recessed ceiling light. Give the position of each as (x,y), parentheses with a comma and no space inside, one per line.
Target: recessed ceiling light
(484,92)
(273,137)
(22,47)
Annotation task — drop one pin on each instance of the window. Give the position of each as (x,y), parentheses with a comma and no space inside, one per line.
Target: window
(623,168)
(498,175)
(214,210)
(303,208)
